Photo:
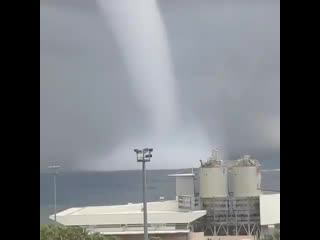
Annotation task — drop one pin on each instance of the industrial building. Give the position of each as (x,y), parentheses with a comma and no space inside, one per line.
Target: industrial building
(126,221)
(269,213)
(220,200)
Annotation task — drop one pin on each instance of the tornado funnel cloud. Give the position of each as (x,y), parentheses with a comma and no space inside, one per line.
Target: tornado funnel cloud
(141,36)
(140,33)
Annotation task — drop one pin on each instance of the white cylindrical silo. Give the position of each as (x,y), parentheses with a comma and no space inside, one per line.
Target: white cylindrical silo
(245,178)
(213,182)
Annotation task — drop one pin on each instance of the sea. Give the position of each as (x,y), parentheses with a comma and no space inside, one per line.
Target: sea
(78,189)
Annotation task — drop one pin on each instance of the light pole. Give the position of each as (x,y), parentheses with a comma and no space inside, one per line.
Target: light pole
(55,169)
(144,156)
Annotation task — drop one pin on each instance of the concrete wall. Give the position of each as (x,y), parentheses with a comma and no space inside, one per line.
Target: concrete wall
(178,236)
(196,236)
(200,236)
(184,236)
(229,238)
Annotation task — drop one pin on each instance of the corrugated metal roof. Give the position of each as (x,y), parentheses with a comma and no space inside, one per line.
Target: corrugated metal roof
(270,209)
(171,205)
(158,213)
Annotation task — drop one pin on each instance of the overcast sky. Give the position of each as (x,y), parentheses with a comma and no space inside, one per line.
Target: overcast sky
(224,59)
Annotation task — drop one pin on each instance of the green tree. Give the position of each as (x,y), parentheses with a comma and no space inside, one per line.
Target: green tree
(53,232)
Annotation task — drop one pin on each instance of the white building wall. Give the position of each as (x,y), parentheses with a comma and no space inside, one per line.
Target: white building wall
(184,186)
(270,209)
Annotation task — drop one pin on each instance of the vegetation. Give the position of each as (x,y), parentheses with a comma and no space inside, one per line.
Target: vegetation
(276,234)
(54,232)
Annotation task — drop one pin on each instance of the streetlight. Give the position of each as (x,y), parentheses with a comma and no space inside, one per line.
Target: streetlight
(55,168)
(144,156)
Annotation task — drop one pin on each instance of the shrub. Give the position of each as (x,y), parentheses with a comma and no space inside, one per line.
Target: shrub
(54,232)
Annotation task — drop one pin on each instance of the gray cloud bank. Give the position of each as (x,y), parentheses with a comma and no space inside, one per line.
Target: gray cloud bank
(226,63)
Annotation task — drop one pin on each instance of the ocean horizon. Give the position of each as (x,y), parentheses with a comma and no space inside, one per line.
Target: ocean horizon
(94,188)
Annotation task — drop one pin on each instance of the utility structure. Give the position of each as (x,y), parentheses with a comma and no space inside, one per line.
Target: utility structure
(55,170)
(220,199)
(144,156)
(230,194)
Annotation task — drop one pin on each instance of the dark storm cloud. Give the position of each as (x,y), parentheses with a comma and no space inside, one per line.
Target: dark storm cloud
(228,67)
(226,62)
(85,99)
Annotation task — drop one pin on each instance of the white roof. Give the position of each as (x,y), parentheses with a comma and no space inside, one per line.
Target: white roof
(182,175)
(158,213)
(270,209)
